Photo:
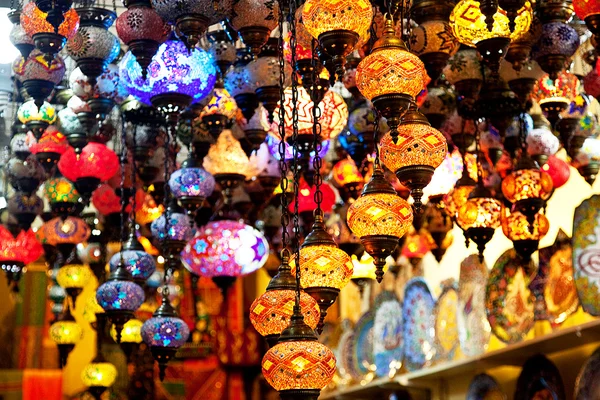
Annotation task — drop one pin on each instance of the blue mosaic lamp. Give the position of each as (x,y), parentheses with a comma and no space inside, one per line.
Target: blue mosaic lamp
(191,185)
(137,262)
(172,233)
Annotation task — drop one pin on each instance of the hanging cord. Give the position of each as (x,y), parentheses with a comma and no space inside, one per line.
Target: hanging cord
(283,166)
(377,161)
(316,128)
(478,153)
(123,160)
(133,183)
(167,193)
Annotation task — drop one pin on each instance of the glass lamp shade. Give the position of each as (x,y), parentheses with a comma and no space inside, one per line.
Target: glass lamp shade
(226,156)
(271,312)
(585,8)
(24,248)
(56,294)
(334,15)
(29,111)
(52,141)
(95,160)
(69,123)
(578,107)
(25,175)
(249,13)
(172,70)
(264,71)
(469,23)
(417,144)
(107,85)
(589,152)
(362,120)
(118,295)
(78,105)
(516,226)
(220,103)
(93,42)
(558,38)
(529,70)
(137,262)
(141,23)
(66,332)
(34,20)
(390,71)
(558,170)
(72,230)
(165,332)
(433,37)
(380,214)
(237,81)
(131,333)
(60,190)
(324,266)
(462,66)
(191,182)
(306,197)
(99,374)
(106,200)
(480,212)
(524,184)
(225,248)
(212,12)
(457,197)
(346,172)
(74,276)
(298,365)
(303,40)
(19,38)
(334,113)
(20,203)
(179,227)
(542,141)
(18,145)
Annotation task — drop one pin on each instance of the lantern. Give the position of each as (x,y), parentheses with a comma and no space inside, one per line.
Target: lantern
(524,234)
(527,187)
(254,20)
(38,75)
(48,39)
(16,252)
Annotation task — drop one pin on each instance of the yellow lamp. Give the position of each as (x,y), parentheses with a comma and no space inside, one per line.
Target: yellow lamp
(73,278)
(132,331)
(65,332)
(525,236)
(98,376)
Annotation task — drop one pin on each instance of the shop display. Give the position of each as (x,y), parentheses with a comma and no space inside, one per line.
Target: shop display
(418,324)
(388,346)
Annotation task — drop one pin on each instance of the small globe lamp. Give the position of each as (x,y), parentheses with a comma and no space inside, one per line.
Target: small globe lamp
(254,20)
(589,11)
(227,162)
(391,77)
(555,95)
(16,251)
(98,376)
(379,217)
(558,43)
(63,197)
(271,312)
(37,119)
(541,144)
(364,271)
(346,175)
(25,208)
(522,81)
(137,262)
(18,37)
(559,171)
(464,71)
(414,154)
(434,42)
(191,185)
(173,229)
(587,160)
(73,276)
(338,26)
(65,233)
(65,332)
(479,217)
(525,235)
(131,336)
(49,147)
(222,48)
(240,86)
(219,111)
(25,175)
(164,333)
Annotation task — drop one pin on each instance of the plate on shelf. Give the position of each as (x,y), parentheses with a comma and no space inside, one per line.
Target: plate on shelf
(388,346)
(418,324)
(587,385)
(446,326)
(586,254)
(484,387)
(363,344)
(345,353)
(508,299)
(539,379)
(473,326)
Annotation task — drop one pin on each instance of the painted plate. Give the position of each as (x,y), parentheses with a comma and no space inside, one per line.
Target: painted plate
(473,326)
(539,379)
(363,344)
(484,387)
(345,356)
(446,325)
(388,346)
(418,324)
(587,385)
(586,254)
(508,299)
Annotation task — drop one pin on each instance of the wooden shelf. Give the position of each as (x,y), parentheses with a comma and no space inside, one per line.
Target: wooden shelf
(515,355)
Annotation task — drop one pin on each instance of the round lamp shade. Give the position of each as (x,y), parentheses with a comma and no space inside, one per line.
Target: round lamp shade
(74,276)
(99,374)
(165,332)
(66,332)
(139,263)
(380,214)
(116,295)
(271,312)
(324,266)
(34,20)
(516,226)
(95,160)
(131,333)
(334,15)
(29,111)
(585,8)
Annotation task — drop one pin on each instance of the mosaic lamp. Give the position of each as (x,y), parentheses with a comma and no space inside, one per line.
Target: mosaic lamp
(348,178)
(49,30)
(137,262)
(173,229)
(49,147)
(524,234)
(338,26)
(164,333)
(271,312)
(434,42)
(143,30)
(414,154)
(37,119)
(25,208)
(98,376)
(556,46)
(17,252)
(379,217)
(191,185)
(254,20)
(25,175)
(38,75)
(18,37)
(555,95)
(219,111)
(391,77)
(131,336)
(65,332)
(119,296)
(326,269)
(65,233)
(589,11)
(63,197)
(479,217)
(96,163)
(73,276)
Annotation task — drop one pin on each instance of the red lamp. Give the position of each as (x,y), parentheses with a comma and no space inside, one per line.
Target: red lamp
(49,148)
(95,163)
(589,11)
(306,197)
(106,200)
(16,252)
(558,170)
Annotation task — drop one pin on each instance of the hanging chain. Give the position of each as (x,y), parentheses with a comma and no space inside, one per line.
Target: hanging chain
(376,162)
(133,182)
(283,166)
(123,160)
(478,153)
(316,128)
(167,193)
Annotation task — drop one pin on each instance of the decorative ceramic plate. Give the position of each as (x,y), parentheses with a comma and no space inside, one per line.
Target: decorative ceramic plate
(586,254)
(539,379)
(484,387)
(508,299)
(473,326)
(388,347)
(363,344)
(446,326)
(587,385)
(345,356)
(418,324)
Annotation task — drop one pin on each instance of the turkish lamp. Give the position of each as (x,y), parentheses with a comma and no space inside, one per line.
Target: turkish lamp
(415,153)
(555,95)
(138,263)
(346,175)
(326,269)
(191,185)
(254,20)
(338,26)
(524,232)
(391,77)
(73,277)
(18,37)
(379,217)
(438,223)
(589,11)
(98,376)
(223,50)
(479,217)
(522,81)
(587,160)
(559,42)
(364,271)
(464,71)
(179,232)
(271,312)
(434,43)
(131,336)
(65,332)
(238,83)
(218,112)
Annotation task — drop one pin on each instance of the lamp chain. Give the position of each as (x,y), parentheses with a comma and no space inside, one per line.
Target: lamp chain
(316,128)
(376,162)
(167,189)
(123,161)
(133,182)
(478,153)
(283,167)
